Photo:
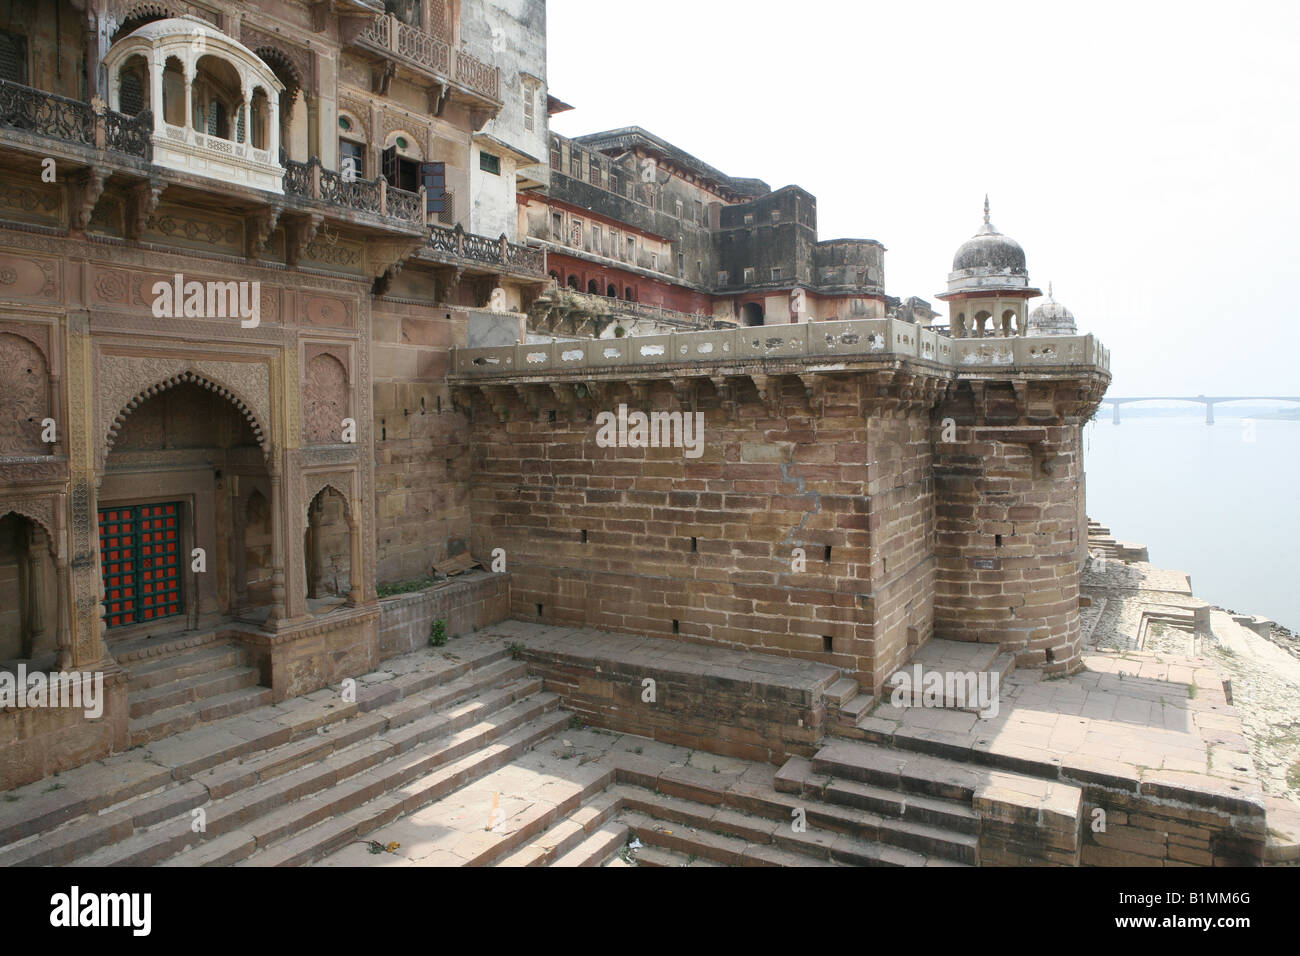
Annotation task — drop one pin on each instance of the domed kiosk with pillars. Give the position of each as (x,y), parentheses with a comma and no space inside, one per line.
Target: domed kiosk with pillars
(988,286)
(215,104)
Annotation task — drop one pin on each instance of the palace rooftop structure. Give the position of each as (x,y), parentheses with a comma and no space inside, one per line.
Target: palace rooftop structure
(228,515)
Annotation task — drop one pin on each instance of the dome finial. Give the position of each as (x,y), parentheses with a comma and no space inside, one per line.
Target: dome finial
(1051,296)
(986,209)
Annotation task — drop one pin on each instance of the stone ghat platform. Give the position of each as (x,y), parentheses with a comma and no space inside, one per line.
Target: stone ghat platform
(754,706)
(466,755)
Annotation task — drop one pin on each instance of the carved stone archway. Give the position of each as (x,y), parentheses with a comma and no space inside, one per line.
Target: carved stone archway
(203,381)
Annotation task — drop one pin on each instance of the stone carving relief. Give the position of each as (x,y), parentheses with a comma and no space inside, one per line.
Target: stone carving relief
(24,383)
(28,278)
(40,510)
(340,482)
(110,285)
(326,310)
(341,253)
(123,381)
(206,230)
(44,204)
(326,399)
(359,110)
(300,60)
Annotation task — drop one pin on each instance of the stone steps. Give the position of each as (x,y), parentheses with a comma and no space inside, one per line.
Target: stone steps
(832,835)
(566,836)
(846,715)
(659,856)
(599,849)
(172,720)
(945,808)
(797,776)
(693,833)
(100,804)
(393,802)
(192,680)
(190,689)
(201,659)
(276,812)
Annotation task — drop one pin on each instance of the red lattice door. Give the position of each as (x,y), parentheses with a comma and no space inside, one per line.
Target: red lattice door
(139,548)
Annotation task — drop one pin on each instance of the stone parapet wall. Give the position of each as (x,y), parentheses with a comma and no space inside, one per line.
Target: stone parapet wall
(466,603)
(854,339)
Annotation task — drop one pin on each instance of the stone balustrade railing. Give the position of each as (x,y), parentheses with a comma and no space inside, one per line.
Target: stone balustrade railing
(458,244)
(566,298)
(818,344)
(425,52)
(310,180)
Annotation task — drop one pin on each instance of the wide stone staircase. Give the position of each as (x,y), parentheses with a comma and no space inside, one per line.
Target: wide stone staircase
(459,757)
(287,783)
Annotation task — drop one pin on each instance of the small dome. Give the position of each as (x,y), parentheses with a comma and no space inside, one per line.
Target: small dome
(989,252)
(1051,318)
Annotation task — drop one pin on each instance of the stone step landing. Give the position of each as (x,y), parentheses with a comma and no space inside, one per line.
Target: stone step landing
(188,686)
(944,808)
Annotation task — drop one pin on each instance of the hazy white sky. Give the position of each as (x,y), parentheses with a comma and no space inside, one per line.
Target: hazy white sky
(1145,154)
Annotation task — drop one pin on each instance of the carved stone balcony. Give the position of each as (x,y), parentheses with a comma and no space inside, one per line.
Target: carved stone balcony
(429,61)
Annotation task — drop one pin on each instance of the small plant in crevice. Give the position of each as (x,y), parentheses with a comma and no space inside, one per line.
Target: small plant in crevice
(438,633)
(516,651)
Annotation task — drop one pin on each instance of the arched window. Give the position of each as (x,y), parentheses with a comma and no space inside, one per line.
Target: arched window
(217,97)
(593,287)
(751,313)
(574,284)
(133,96)
(612,291)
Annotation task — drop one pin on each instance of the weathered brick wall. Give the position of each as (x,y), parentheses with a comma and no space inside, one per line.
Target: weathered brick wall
(902,534)
(649,541)
(421,472)
(1008,539)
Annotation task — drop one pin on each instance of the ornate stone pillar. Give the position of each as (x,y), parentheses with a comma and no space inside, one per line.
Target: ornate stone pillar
(59,548)
(38,544)
(189,102)
(86,615)
(278,519)
(356,591)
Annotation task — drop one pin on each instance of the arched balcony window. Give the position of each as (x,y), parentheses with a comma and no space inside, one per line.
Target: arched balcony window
(220,101)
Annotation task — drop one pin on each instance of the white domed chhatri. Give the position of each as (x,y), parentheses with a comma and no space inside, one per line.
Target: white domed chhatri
(988,285)
(215,103)
(1051,318)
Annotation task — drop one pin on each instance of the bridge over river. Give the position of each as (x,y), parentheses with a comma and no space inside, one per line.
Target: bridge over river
(1209,401)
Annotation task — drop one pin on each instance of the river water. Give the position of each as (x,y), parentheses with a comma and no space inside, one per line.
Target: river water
(1221,502)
